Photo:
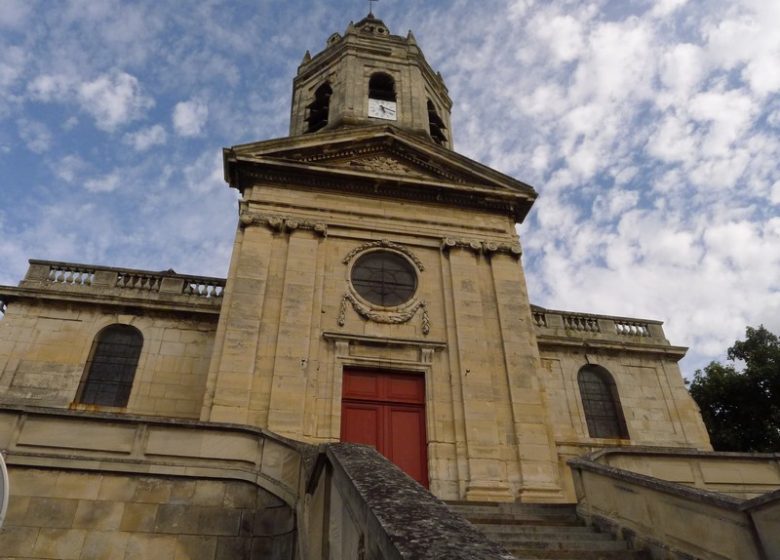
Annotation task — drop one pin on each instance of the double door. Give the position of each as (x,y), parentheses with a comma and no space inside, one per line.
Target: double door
(387,411)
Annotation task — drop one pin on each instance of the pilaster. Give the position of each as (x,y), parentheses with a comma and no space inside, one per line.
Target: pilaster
(487,474)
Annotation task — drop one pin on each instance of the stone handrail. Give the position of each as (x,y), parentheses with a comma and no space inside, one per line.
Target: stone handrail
(553,323)
(53,275)
(676,520)
(740,475)
(360,505)
(141,445)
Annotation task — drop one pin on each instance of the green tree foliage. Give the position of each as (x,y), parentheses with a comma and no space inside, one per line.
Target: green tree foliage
(740,402)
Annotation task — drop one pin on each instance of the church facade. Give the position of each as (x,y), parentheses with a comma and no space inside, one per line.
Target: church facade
(375,294)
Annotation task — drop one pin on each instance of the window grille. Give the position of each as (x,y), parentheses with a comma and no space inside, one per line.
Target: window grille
(111,367)
(601,403)
(384,278)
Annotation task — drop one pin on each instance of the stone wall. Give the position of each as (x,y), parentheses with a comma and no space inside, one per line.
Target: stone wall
(45,345)
(657,407)
(100,516)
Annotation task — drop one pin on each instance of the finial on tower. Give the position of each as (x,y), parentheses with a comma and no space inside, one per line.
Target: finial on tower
(371,7)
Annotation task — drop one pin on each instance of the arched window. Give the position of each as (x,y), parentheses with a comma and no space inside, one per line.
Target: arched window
(111,366)
(436,125)
(318,109)
(601,403)
(381,86)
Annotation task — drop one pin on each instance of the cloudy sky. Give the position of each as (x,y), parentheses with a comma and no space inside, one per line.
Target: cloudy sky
(651,130)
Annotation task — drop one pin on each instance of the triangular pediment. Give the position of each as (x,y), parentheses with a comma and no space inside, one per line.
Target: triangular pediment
(379,155)
(386,151)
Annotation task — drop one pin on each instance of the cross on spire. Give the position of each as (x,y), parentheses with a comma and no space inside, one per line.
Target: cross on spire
(371,7)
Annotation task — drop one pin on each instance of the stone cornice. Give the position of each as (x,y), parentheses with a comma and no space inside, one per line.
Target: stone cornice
(186,305)
(612,345)
(343,180)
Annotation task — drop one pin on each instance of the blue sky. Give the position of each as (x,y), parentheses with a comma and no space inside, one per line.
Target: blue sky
(651,130)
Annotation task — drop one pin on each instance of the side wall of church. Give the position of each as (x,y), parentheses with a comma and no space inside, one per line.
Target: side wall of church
(658,409)
(45,346)
(71,515)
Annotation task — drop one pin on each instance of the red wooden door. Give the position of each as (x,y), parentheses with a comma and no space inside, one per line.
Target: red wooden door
(387,411)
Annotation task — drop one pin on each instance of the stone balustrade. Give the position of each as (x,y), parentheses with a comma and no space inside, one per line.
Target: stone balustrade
(121,282)
(552,323)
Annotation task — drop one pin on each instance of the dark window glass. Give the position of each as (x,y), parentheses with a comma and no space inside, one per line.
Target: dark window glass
(384,278)
(319,108)
(601,403)
(381,86)
(111,368)
(436,125)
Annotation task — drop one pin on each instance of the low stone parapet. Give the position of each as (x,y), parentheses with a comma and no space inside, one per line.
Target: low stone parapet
(675,519)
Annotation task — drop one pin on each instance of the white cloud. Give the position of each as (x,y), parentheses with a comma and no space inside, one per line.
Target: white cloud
(14,13)
(113,100)
(666,7)
(50,87)
(563,36)
(69,168)
(103,184)
(12,65)
(775,194)
(145,138)
(35,135)
(189,117)
(205,173)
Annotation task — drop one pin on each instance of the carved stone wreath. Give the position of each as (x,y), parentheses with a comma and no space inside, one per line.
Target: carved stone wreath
(386,317)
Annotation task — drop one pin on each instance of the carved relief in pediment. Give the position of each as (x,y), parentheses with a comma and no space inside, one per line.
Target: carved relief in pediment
(384,164)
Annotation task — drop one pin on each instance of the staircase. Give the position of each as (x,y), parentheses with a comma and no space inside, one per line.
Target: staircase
(544,531)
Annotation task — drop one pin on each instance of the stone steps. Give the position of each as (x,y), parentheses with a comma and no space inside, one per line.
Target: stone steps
(544,531)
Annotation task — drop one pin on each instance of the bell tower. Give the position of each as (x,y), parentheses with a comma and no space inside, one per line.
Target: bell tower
(370,77)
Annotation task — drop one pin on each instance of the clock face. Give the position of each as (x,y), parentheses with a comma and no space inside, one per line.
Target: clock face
(381,109)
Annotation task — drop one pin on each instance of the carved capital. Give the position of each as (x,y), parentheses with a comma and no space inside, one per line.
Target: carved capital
(481,247)
(280,223)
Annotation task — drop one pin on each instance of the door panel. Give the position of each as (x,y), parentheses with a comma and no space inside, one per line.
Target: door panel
(405,441)
(363,423)
(387,411)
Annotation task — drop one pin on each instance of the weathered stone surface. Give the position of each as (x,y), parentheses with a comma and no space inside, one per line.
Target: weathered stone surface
(136,525)
(410,522)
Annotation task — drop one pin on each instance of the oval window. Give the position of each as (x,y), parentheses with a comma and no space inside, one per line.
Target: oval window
(384,278)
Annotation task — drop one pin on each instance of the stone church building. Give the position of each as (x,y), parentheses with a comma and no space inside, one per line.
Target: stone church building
(375,296)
